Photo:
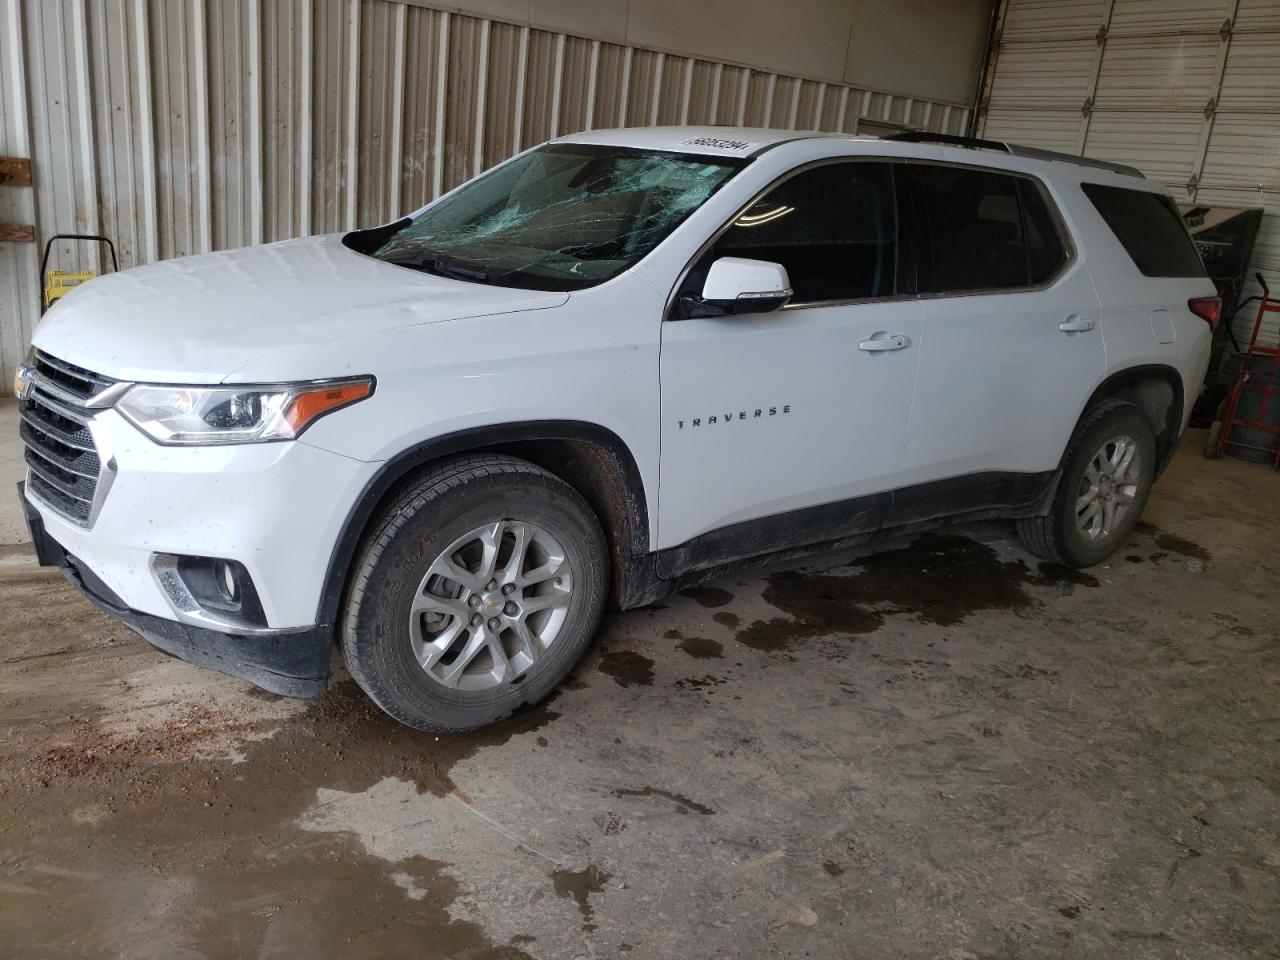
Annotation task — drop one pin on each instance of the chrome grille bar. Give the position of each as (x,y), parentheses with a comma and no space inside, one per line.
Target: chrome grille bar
(63,463)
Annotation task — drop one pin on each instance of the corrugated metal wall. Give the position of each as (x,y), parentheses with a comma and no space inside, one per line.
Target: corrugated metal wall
(182,126)
(1186,90)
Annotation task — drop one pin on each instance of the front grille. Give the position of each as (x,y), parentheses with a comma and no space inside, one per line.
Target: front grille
(62,461)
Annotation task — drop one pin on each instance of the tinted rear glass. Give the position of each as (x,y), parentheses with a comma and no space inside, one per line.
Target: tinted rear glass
(984,231)
(1149,228)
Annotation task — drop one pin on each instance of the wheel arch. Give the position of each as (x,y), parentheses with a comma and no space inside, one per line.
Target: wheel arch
(1158,391)
(592,459)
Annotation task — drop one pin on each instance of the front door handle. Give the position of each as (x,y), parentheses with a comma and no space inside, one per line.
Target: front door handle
(1076,324)
(879,343)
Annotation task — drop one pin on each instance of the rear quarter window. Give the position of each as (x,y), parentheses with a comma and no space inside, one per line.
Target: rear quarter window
(1150,230)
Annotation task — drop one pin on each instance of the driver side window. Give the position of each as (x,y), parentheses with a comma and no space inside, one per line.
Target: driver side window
(834,228)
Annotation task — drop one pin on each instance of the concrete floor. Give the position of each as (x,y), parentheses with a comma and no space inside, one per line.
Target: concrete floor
(937,749)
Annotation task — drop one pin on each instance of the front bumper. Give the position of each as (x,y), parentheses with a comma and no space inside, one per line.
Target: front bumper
(293,664)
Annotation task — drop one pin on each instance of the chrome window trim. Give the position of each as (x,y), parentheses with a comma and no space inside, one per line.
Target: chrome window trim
(1051,204)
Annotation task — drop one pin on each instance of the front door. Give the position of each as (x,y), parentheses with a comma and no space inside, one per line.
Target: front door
(787,427)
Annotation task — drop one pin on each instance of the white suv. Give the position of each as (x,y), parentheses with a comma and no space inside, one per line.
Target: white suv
(618,363)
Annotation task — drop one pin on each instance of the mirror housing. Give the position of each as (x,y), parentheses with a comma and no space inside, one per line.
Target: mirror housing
(737,285)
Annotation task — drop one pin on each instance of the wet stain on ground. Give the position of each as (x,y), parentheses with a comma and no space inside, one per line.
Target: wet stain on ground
(1056,575)
(939,579)
(683,804)
(627,668)
(579,885)
(832,868)
(727,619)
(149,793)
(702,648)
(709,597)
(1172,543)
(700,683)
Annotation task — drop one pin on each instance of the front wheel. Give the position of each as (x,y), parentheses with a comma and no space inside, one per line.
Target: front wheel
(1106,478)
(479,589)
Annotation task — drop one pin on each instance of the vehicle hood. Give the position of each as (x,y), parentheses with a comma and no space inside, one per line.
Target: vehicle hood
(199,319)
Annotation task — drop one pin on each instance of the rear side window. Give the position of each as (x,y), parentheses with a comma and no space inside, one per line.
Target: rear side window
(834,227)
(1150,230)
(983,230)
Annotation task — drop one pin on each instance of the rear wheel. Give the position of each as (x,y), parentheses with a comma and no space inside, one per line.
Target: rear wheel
(1106,478)
(479,589)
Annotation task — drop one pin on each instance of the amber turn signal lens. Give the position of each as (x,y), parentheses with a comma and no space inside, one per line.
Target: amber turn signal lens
(306,407)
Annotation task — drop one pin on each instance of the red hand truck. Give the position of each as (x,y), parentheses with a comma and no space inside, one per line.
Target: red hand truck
(1259,374)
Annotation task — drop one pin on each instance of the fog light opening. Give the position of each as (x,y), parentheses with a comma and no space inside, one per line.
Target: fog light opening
(226,579)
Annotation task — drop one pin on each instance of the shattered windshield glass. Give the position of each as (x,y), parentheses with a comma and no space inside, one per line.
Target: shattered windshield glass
(563,217)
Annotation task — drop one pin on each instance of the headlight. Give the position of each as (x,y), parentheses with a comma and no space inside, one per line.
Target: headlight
(249,414)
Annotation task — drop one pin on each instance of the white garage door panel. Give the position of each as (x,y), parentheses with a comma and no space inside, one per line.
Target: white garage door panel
(1246,154)
(1171,73)
(1251,80)
(1044,74)
(1183,91)
(1161,145)
(1258,15)
(1057,131)
(1044,20)
(1145,17)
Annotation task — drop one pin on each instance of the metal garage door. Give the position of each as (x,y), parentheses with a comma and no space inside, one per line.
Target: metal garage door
(1188,91)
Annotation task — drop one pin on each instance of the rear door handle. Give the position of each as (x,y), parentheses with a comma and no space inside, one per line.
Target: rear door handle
(1076,324)
(879,343)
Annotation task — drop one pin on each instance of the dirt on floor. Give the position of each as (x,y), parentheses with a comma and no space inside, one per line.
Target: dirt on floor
(934,748)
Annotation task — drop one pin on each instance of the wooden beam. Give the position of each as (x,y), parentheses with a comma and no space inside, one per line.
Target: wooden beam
(15,172)
(17,232)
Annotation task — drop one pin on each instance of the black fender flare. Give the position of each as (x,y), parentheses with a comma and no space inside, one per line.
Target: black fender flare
(394,470)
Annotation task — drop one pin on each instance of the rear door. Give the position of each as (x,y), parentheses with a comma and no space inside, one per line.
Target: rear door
(787,427)
(1011,347)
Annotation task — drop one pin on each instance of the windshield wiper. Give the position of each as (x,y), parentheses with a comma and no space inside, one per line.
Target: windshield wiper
(443,267)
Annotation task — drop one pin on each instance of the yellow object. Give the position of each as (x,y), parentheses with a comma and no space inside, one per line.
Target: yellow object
(58,283)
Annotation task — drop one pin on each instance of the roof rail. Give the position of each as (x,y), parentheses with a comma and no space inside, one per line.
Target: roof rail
(924,136)
(1031,153)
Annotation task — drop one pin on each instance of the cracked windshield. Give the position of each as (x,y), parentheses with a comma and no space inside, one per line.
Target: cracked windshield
(562,217)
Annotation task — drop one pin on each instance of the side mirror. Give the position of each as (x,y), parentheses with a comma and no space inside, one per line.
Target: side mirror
(738,285)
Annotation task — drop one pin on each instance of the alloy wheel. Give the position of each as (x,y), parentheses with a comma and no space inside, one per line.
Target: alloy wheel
(1109,488)
(490,605)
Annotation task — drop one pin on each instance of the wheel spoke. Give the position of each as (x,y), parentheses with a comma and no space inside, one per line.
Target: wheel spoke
(1122,469)
(476,641)
(430,603)
(1086,498)
(490,539)
(501,665)
(547,601)
(1108,515)
(1126,495)
(552,568)
(431,651)
(1093,509)
(520,532)
(530,644)
(449,569)
(1118,449)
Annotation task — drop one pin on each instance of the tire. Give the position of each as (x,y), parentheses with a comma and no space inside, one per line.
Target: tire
(405,659)
(1058,536)
(1211,440)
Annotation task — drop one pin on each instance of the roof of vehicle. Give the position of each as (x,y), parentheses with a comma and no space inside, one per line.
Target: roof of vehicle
(726,141)
(713,141)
